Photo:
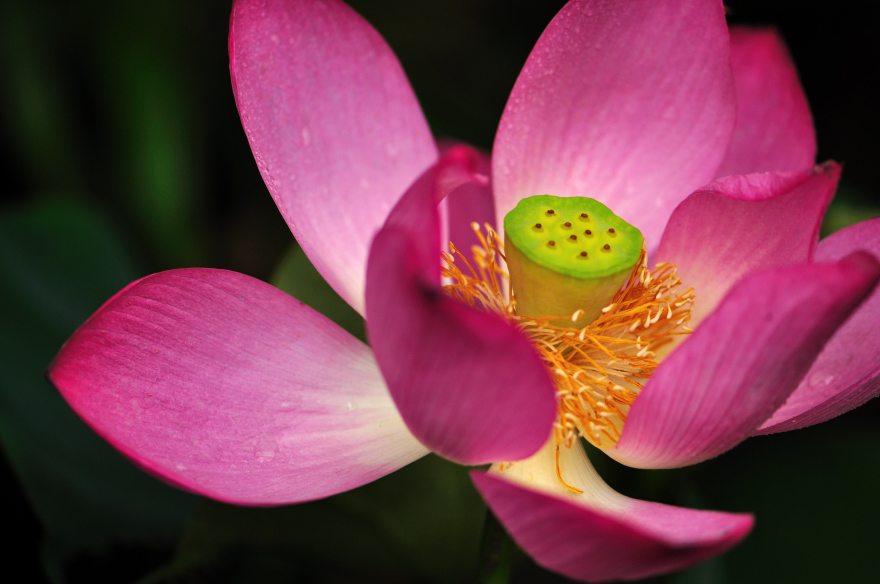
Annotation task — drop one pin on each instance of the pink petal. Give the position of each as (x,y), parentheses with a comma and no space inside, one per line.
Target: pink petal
(631,103)
(333,124)
(739,224)
(226,386)
(847,372)
(742,362)
(593,542)
(468,384)
(470,203)
(774,128)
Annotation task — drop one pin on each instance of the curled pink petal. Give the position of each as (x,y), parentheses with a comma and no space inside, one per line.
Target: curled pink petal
(617,103)
(774,128)
(334,126)
(742,362)
(847,372)
(607,536)
(468,384)
(226,386)
(769,219)
(470,203)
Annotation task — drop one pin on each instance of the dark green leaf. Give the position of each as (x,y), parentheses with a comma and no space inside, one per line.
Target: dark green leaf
(420,524)
(58,263)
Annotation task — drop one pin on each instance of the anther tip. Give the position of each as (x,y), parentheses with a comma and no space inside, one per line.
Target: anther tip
(567,224)
(606,247)
(537,225)
(551,243)
(584,216)
(551,212)
(583,254)
(573,237)
(588,232)
(610,230)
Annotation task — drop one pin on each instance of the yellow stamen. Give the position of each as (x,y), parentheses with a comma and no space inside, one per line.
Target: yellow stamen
(482,288)
(598,369)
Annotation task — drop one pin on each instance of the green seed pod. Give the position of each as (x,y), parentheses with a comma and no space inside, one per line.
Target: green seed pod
(567,254)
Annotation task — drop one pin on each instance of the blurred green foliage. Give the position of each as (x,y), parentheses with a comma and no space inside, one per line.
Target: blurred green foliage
(59,261)
(119,132)
(297,276)
(420,524)
(848,208)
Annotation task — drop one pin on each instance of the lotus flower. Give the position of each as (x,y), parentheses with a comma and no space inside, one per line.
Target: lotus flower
(226,386)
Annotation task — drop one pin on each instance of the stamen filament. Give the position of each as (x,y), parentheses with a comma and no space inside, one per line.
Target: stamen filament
(559,476)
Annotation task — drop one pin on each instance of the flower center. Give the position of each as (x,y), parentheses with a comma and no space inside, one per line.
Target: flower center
(597,322)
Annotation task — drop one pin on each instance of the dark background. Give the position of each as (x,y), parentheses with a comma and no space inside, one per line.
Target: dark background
(121,154)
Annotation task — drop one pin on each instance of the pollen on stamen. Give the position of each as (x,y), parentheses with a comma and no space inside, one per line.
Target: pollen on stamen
(599,369)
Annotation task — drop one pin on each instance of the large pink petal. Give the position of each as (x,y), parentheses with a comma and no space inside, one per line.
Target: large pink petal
(226,386)
(603,535)
(774,128)
(739,224)
(847,372)
(468,384)
(334,126)
(742,362)
(630,103)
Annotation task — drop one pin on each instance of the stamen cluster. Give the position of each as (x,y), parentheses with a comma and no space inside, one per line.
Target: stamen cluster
(599,369)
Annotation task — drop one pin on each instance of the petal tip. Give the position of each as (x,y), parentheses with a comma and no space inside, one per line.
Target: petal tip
(585,541)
